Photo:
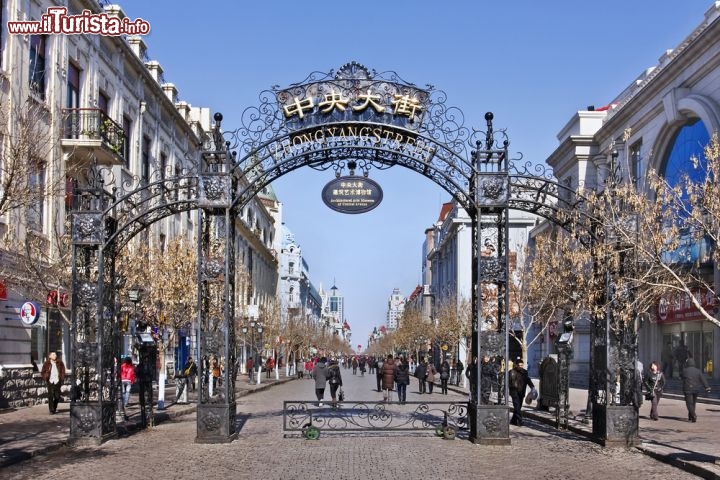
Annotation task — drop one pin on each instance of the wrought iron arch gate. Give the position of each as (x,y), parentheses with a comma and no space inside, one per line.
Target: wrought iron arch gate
(353,118)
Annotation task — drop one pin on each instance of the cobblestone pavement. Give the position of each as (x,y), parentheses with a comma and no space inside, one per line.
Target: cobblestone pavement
(168,451)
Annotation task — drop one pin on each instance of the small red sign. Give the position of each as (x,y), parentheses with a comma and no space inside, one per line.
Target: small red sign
(3,290)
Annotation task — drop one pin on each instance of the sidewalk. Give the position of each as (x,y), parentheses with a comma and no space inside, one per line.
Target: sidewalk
(693,447)
(26,432)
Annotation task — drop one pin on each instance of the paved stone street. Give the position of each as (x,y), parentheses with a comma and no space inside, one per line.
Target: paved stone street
(261,451)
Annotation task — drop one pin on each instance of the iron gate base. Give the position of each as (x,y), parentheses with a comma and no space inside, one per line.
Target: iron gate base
(216,423)
(489,424)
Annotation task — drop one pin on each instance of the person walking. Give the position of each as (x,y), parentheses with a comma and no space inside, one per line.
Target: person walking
(53,372)
(216,373)
(666,357)
(693,382)
(354,365)
(488,378)
(378,372)
(320,373)
(430,376)
(335,380)
(471,375)
(388,377)
(269,366)
(402,379)
(519,381)
(680,354)
(420,373)
(654,383)
(190,371)
(127,378)
(459,367)
(444,376)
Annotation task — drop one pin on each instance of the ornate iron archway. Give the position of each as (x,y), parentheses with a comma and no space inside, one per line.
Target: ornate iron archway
(353,118)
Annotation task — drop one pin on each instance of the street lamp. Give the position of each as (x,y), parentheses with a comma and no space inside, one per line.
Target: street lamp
(135,296)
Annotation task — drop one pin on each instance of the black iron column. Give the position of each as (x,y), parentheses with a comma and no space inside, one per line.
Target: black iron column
(216,408)
(93,350)
(488,414)
(614,339)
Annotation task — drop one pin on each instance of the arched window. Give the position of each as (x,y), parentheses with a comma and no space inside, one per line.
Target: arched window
(689,142)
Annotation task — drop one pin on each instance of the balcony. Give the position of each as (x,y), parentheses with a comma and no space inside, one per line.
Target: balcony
(90,134)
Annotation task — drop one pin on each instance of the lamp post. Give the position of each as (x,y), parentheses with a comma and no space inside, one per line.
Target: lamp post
(244,355)
(255,327)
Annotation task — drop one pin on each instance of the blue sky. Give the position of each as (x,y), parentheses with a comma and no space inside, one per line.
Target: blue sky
(533,64)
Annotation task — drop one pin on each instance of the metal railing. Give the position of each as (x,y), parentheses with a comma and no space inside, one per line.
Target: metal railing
(92,124)
(442,418)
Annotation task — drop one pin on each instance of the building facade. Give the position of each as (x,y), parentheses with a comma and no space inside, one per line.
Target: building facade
(78,101)
(659,122)
(448,268)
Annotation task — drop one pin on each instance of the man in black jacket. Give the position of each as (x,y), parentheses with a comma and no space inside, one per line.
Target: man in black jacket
(693,379)
(519,381)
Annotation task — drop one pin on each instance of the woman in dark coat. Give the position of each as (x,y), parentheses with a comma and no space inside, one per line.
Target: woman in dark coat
(388,377)
(320,376)
(420,373)
(693,383)
(402,379)
(654,385)
(334,379)
(444,376)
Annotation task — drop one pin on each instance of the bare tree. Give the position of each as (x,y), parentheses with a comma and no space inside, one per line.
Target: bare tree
(35,247)
(169,300)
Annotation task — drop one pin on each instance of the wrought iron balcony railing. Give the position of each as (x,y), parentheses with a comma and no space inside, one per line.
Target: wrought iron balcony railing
(90,127)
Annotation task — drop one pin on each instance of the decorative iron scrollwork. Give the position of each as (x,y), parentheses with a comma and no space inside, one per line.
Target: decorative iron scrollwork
(492,269)
(492,190)
(213,268)
(376,416)
(211,421)
(215,191)
(493,424)
(86,294)
(87,228)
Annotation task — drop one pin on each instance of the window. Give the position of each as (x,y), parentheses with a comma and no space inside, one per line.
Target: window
(291,268)
(72,102)
(36,206)
(635,162)
(163,164)
(104,103)
(38,44)
(145,160)
(291,296)
(689,142)
(73,87)
(127,130)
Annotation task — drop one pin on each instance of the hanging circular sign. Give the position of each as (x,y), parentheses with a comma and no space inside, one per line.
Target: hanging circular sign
(351,194)
(29,313)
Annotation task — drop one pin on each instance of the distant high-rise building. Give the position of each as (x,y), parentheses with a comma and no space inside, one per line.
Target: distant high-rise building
(333,307)
(396,307)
